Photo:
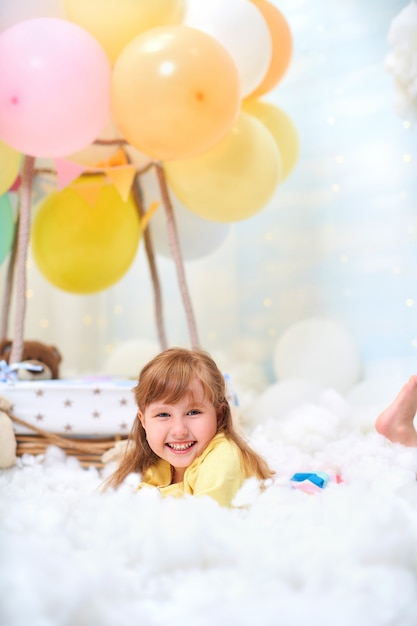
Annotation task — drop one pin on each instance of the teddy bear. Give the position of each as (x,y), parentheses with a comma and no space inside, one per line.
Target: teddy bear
(7,437)
(46,358)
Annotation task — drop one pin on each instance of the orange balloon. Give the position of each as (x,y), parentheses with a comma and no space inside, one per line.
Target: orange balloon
(282,46)
(175,92)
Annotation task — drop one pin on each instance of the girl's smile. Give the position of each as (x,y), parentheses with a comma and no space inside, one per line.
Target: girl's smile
(179,432)
(180,448)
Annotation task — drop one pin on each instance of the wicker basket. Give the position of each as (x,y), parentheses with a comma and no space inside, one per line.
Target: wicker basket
(88,450)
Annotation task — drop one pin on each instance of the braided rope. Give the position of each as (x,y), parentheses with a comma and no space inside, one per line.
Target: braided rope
(177,256)
(22,250)
(5,312)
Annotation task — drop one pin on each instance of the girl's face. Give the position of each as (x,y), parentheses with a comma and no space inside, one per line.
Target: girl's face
(180,432)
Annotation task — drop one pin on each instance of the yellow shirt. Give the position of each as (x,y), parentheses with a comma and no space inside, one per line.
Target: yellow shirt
(217,472)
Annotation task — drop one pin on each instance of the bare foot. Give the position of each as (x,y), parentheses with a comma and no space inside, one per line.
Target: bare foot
(396,422)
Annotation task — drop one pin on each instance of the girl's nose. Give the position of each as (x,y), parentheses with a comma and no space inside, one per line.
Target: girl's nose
(179,428)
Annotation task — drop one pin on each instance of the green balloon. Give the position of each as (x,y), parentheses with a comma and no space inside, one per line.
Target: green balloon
(6,226)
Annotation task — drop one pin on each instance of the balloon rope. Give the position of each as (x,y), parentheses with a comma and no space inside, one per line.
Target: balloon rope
(177,255)
(5,313)
(22,250)
(137,197)
(90,170)
(111,142)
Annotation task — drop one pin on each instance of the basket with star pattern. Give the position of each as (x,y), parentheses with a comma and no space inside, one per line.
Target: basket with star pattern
(88,450)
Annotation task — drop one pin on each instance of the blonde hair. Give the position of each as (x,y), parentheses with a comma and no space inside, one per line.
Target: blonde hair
(168,377)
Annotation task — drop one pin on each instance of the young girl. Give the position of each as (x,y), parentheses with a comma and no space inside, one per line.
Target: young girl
(183,437)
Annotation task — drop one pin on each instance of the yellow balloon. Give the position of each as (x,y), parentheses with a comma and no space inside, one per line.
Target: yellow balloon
(232,181)
(85,237)
(115,22)
(281,128)
(10,161)
(175,92)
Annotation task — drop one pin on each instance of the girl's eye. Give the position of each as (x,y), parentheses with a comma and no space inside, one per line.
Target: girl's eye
(194,412)
(162,415)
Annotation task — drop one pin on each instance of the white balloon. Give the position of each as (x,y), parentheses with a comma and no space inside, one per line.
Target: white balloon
(319,350)
(14,11)
(128,358)
(241,29)
(281,398)
(376,391)
(197,237)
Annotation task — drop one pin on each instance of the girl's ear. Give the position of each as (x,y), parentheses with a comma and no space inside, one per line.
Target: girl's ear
(141,419)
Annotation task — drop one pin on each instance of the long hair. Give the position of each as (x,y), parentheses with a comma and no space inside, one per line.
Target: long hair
(168,378)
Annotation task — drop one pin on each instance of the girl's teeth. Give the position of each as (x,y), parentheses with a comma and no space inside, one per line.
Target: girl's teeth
(180,446)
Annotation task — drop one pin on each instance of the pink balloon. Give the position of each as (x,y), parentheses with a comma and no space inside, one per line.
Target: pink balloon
(54,87)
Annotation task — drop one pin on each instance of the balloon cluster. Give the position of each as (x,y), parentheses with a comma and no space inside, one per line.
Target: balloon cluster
(178,81)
